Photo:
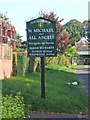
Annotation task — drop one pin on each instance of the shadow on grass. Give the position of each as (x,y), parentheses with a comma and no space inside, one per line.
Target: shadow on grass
(60,97)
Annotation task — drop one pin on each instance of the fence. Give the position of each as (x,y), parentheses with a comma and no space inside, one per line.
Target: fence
(5,61)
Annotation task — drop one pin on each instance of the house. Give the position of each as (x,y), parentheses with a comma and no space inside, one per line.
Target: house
(83,49)
(7,43)
(7,33)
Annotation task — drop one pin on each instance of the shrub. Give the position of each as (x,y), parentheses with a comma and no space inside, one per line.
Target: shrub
(61,60)
(37,64)
(64,61)
(18,50)
(12,107)
(20,63)
(71,52)
(51,60)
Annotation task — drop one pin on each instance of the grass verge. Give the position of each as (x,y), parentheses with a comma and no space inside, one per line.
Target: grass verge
(60,97)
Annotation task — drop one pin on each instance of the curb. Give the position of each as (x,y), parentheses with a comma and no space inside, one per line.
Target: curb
(50,115)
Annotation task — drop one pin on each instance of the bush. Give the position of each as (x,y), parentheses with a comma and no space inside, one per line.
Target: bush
(12,107)
(51,60)
(61,60)
(18,50)
(64,61)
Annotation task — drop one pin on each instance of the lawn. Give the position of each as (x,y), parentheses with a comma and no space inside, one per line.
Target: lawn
(60,97)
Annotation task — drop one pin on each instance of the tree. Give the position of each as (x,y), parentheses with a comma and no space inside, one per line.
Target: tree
(89,30)
(86,28)
(62,36)
(63,41)
(4,17)
(71,52)
(18,40)
(18,36)
(75,30)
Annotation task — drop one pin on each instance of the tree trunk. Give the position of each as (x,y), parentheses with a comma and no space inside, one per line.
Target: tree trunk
(31,64)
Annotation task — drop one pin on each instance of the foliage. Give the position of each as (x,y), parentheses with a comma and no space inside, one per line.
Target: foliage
(62,37)
(61,60)
(20,63)
(85,28)
(51,60)
(18,40)
(71,52)
(60,97)
(18,50)
(85,24)
(89,25)
(34,64)
(4,17)
(12,107)
(75,30)
(64,61)
(63,41)
(18,36)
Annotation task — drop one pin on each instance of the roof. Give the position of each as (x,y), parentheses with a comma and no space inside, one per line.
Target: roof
(40,18)
(83,40)
(82,45)
(84,48)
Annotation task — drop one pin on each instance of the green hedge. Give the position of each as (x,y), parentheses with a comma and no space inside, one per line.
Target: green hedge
(12,107)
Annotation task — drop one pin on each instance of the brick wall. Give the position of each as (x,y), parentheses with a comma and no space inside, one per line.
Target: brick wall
(7,33)
(5,61)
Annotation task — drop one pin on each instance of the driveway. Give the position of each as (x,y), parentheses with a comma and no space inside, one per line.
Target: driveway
(84,76)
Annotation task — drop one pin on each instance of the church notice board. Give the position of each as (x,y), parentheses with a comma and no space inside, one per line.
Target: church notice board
(41,38)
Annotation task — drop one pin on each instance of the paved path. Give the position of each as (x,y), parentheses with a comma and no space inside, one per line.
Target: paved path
(84,76)
(50,115)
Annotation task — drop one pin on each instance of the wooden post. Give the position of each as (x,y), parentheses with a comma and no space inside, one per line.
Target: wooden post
(42,77)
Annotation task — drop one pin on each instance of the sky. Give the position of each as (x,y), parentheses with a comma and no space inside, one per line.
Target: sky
(20,11)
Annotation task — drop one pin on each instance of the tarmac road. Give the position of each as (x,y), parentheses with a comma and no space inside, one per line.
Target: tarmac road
(84,77)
